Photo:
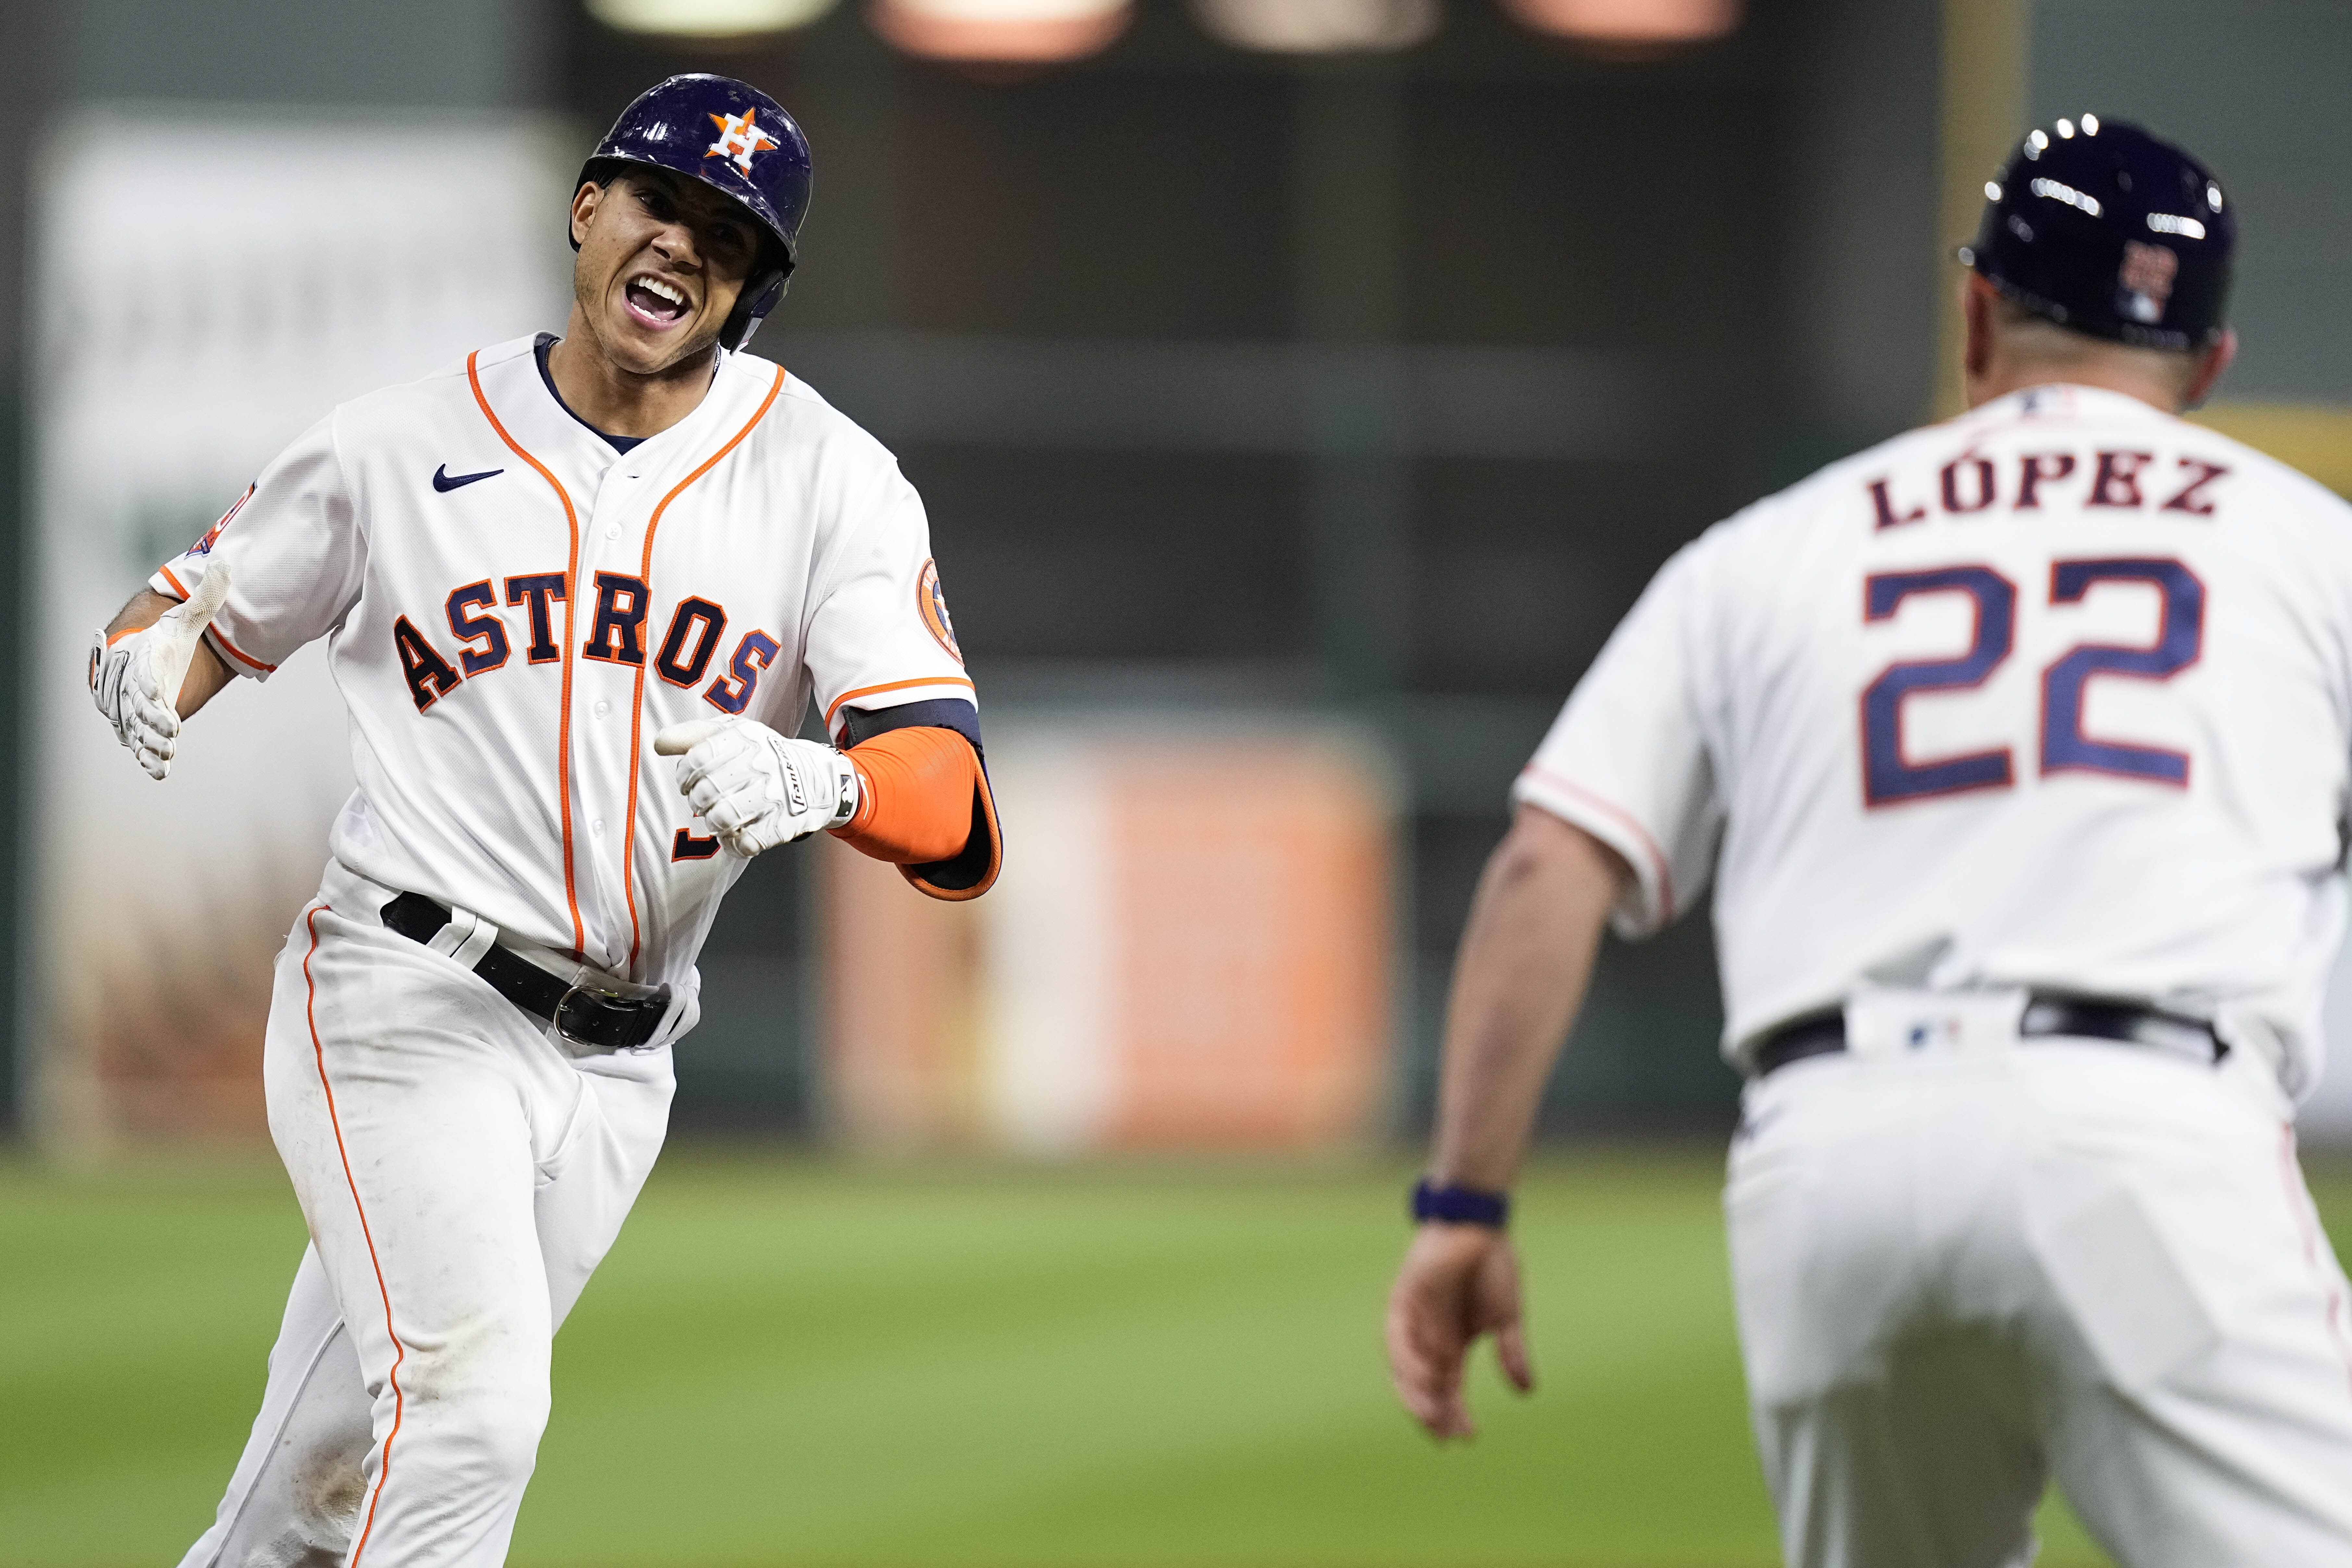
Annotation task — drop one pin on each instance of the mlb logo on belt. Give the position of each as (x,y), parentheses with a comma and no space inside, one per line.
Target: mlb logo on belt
(739,136)
(1889,1022)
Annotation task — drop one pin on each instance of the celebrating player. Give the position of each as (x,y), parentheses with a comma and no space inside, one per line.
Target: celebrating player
(2018,749)
(541,572)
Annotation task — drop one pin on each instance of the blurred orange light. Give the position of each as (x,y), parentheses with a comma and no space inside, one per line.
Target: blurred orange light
(707,19)
(1001,32)
(1629,22)
(1318,26)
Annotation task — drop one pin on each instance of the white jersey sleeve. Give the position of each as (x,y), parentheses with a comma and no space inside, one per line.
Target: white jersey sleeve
(1628,759)
(878,631)
(295,554)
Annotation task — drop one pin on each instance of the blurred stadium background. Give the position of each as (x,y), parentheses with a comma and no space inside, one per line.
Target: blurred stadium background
(1300,390)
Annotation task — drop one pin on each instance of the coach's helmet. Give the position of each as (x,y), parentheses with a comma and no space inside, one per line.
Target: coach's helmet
(2103,228)
(739,142)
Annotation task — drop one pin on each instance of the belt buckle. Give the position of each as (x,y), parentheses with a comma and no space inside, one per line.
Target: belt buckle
(563,1005)
(632,1004)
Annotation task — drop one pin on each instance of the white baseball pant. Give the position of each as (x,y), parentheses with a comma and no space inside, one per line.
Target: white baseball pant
(1958,1270)
(462,1172)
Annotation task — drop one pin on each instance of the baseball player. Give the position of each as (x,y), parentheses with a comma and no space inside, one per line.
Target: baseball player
(2019,750)
(578,593)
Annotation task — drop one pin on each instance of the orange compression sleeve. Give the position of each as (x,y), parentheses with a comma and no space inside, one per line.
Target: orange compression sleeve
(914,796)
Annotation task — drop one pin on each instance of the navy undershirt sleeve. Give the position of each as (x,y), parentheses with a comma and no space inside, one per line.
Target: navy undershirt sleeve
(859,726)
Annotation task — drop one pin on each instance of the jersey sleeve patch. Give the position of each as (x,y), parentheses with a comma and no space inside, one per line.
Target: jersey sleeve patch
(932,602)
(204,546)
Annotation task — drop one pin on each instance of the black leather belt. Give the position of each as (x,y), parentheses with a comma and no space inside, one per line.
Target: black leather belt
(1823,1034)
(604,1019)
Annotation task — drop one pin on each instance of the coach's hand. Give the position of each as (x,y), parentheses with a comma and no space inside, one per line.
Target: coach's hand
(1458,1281)
(758,789)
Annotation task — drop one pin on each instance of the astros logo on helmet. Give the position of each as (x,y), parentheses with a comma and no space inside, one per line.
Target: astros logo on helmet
(739,136)
(657,128)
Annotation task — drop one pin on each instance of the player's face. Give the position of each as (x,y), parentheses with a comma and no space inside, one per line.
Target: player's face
(661,261)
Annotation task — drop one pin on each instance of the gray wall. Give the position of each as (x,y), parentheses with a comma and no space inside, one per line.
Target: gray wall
(476,54)
(1866,261)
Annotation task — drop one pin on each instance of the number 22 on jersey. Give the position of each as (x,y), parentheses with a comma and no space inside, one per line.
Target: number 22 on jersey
(1890,777)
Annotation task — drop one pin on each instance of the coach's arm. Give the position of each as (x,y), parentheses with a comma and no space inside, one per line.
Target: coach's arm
(1526,958)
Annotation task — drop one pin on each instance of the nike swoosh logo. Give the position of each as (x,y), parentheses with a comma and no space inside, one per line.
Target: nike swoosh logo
(443,479)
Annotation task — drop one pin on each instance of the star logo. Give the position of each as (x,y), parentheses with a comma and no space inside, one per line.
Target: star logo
(739,138)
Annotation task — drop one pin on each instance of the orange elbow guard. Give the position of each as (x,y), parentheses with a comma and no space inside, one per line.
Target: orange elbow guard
(914,796)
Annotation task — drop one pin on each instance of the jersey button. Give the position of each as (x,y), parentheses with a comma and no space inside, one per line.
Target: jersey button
(597,827)
(602,708)
(612,530)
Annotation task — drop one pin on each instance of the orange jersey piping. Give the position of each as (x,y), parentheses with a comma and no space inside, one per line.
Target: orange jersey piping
(570,598)
(400,1350)
(213,632)
(638,708)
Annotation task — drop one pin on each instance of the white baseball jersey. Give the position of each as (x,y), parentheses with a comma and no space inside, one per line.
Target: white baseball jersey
(514,608)
(2056,694)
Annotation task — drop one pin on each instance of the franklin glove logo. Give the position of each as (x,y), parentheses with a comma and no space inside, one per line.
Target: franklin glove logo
(793,788)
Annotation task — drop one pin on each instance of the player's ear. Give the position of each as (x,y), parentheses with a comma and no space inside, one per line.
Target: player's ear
(584,209)
(1977,302)
(2211,365)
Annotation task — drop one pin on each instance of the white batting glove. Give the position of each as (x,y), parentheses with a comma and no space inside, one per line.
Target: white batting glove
(123,683)
(136,683)
(758,789)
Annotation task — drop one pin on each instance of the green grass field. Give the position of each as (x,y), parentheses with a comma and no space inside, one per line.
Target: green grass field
(789,1361)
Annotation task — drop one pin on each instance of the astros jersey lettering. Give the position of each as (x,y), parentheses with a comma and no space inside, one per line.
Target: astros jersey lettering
(2057,694)
(514,608)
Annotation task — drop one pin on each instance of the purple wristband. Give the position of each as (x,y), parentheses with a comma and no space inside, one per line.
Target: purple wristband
(1460,1206)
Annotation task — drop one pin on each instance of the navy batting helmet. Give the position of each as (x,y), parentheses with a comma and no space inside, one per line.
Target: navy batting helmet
(2107,230)
(739,142)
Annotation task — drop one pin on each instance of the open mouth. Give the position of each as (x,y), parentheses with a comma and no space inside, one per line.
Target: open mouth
(655,301)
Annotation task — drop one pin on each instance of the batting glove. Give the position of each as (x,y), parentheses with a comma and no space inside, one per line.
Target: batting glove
(758,789)
(136,681)
(123,683)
